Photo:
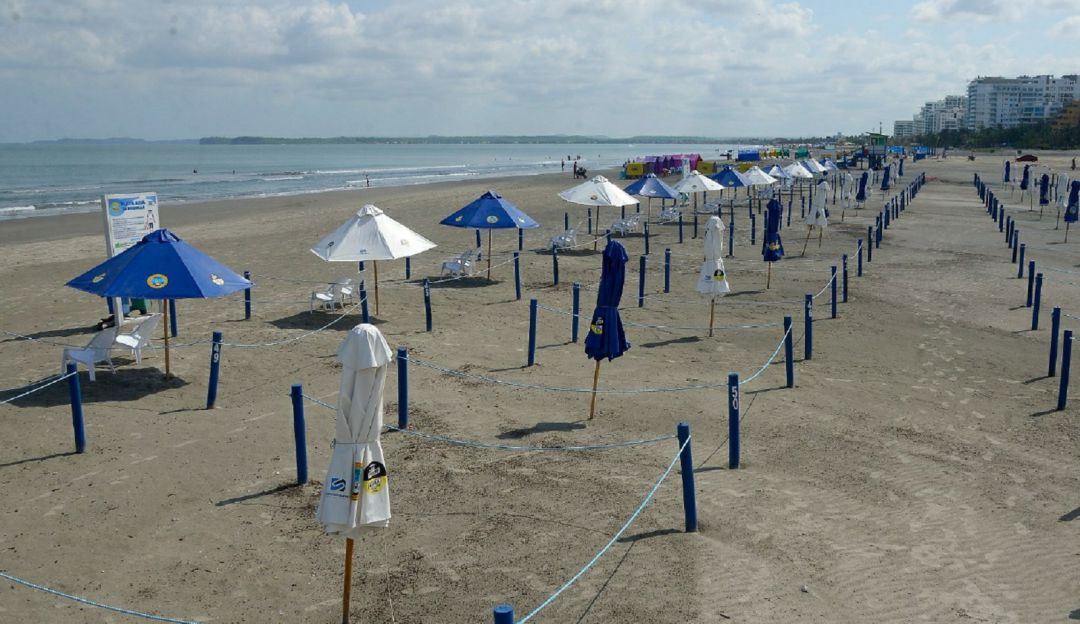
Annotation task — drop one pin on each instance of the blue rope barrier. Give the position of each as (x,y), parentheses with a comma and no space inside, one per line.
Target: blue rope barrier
(92,603)
(41,387)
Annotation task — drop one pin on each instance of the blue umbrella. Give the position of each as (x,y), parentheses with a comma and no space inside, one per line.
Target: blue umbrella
(161,266)
(772,248)
(860,195)
(606,338)
(651,186)
(885,179)
(1008,170)
(1026,179)
(1044,191)
(900,170)
(490,212)
(1072,210)
(730,178)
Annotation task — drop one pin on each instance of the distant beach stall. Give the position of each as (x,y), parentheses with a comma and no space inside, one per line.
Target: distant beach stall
(658,165)
(751,155)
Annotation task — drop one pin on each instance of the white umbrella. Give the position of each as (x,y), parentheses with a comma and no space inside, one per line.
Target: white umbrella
(796,170)
(813,166)
(697,183)
(598,192)
(847,191)
(817,215)
(356,493)
(757,177)
(712,280)
(370,235)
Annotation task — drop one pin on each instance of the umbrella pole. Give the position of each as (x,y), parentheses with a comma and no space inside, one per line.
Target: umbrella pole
(489,256)
(347,589)
(596,230)
(820,234)
(1057,222)
(712,314)
(808,231)
(375,266)
(1066,240)
(595,378)
(165,328)
(768,275)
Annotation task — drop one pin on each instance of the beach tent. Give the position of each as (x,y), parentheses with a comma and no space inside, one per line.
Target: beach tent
(597,192)
(370,235)
(356,492)
(772,248)
(696,183)
(607,338)
(712,280)
(490,212)
(651,186)
(161,266)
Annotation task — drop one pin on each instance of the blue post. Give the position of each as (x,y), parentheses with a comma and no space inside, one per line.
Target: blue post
(532,331)
(1001,220)
(667,270)
(299,433)
(1008,231)
(1031,282)
(802,207)
(622,215)
(646,239)
(215,370)
(731,239)
(1015,247)
(521,239)
(695,225)
(172,318)
(363,304)
(733,420)
(641,283)
(408,267)
(75,396)
(870,247)
(403,387)
(789,352)
(808,321)
(1038,300)
(680,228)
(360,266)
(504,614)
(789,212)
(832,284)
(427,303)
(554,265)
(247,298)
(607,236)
(753,228)
(1020,265)
(576,313)
(1066,356)
(1055,327)
(686,466)
(843,260)
(589,213)
(517,275)
(858,269)
(566,220)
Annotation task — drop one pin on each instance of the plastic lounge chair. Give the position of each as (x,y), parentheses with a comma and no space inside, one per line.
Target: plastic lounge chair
(669,214)
(346,290)
(461,264)
(97,350)
(566,240)
(325,298)
(139,335)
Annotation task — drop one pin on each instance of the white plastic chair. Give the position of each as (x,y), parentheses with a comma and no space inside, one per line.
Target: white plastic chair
(97,350)
(346,289)
(324,299)
(668,214)
(139,335)
(461,264)
(566,240)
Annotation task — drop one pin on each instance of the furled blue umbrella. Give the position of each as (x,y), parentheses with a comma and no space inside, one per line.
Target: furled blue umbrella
(1006,174)
(651,186)
(1044,192)
(1025,184)
(161,266)
(490,212)
(772,248)
(860,195)
(885,182)
(900,170)
(606,338)
(1072,211)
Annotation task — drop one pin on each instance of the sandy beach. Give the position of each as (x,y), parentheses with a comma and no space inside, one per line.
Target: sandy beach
(917,471)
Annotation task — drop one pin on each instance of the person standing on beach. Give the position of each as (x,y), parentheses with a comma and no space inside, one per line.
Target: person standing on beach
(563,163)
(367,181)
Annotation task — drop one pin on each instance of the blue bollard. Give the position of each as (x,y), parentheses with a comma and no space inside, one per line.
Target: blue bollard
(360,266)
(646,239)
(172,318)
(1066,357)
(680,229)
(566,220)
(517,275)
(695,226)
(504,614)
(299,433)
(833,287)
(589,213)
(75,396)
(363,305)
(1008,231)
(789,352)
(802,207)
(843,261)
(521,239)
(1038,300)
(858,267)
(753,229)
(247,298)
(733,420)
(408,267)
(1015,248)
(731,238)
(532,331)
(403,387)
(641,283)
(1055,327)
(622,215)
(427,303)
(667,270)
(215,370)
(686,466)
(1020,265)
(789,212)
(870,247)
(808,321)
(1001,220)
(554,266)
(1031,283)
(576,313)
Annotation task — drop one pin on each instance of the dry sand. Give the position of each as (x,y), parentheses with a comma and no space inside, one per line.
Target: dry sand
(915,472)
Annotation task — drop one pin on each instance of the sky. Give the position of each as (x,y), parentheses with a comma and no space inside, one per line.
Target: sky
(180,69)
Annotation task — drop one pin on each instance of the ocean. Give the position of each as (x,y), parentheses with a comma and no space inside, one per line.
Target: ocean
(56,178)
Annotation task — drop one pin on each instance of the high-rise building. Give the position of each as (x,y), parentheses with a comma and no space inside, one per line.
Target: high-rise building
(995,102)
(903,128)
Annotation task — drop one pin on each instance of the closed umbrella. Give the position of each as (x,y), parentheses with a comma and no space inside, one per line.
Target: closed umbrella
(860,196)
(900,170)
(772,248)
(597,192)
(1044,192)
(651,186)
(1005,174)
(607,338)
(1072,211)
(490,212)
(1062,197)
(886,183)
(1025,182)
(847,184)
(356,494)
(818,215)
(161,266)
(370,235)
(713,280)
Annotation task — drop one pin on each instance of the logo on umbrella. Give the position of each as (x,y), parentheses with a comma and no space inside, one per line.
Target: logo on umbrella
(718,276)
(98,278)
(217,280)
(597,326)
(374,478)
(492,219)
(337,484)
(157,280)
(593,197)
(459,218)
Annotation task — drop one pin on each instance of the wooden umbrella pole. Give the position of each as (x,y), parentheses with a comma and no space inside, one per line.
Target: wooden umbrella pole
(768,275)
(165,328)
(820,234)
(1066,238)
(346,591)
(808,231)
(712,314)
(595,379)
(489,256)
(375,267)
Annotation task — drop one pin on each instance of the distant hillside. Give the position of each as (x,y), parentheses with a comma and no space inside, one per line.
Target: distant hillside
(109,141)
(445,140)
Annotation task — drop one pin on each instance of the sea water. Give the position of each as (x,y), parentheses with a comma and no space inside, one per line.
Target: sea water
(55,178)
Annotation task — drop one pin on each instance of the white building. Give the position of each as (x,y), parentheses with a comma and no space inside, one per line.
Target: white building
(903,128)
(946,114)
(1007,102)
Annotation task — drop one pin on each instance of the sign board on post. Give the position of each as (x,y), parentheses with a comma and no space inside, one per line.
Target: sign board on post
(128,218)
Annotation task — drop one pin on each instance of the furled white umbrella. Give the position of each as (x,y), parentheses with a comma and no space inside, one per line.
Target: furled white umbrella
(847,192)
(712,280)
(598,192)
(356,492)
(817,215)
(370,235)
(697,183)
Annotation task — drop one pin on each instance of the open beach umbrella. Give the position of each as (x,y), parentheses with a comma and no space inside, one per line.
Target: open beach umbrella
(597,192)
(813,166)
(818,215)
(697,183)
(776,171)
(607,338)
(490,212)
(651,186)
(370,235)
(756,177)
(1072,211)
(356,492)
(772,248)
(161,266)
(731,178)
(712,280)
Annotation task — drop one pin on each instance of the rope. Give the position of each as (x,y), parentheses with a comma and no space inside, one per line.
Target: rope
(41,387)
(302,336)
(767,362)
(87,601)
(827,284)
(611,542)
(664,327)
(27,385)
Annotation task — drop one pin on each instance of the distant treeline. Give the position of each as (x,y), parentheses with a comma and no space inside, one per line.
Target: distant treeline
(495,140)
(1031,136)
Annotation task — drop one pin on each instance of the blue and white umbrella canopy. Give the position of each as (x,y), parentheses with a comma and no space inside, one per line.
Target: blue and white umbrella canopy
(651,186)
(490,212)
(778,172)
(730,178)
(607,338)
